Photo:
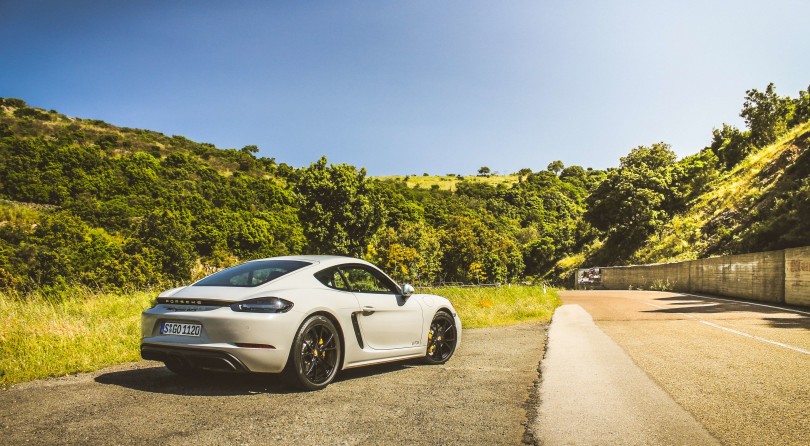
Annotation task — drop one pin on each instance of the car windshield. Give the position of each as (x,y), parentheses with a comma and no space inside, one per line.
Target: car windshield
(252,274)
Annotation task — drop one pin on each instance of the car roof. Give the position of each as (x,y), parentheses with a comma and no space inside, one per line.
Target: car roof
(326,260)
(321,262)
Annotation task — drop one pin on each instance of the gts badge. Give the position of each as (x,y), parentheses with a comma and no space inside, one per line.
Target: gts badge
(415,343)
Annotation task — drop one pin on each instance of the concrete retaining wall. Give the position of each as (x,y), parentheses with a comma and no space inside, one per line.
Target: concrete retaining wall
(759,276)
(774,276)
(797,276)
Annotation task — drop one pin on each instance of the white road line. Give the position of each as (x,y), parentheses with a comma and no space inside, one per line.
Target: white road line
(748,303)
(741,333)
(800,350)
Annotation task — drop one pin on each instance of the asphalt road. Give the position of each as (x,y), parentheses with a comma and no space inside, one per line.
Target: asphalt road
(630,368)
(741,370)
(592,393)
(481,396)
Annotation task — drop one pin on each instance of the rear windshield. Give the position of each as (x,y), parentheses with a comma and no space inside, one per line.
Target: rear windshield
(252,273)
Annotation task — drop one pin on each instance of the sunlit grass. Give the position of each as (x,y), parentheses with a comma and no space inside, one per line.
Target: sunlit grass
(499,306)
(71,331)
(449,182)
(571,262)
(737,190)
(79,330)
(745,176)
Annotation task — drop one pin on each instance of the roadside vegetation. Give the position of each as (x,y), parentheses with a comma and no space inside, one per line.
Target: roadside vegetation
(73,330)
(499,306)
(77,330)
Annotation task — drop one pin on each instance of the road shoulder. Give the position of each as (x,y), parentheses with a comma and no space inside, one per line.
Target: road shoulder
(592,392)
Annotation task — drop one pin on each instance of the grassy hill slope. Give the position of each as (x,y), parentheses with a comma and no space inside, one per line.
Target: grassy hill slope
(449,182)
(761,204)
(83,201)
(86,202)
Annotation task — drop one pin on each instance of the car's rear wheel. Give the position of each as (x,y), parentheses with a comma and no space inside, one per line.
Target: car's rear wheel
(316,354)
(442,339)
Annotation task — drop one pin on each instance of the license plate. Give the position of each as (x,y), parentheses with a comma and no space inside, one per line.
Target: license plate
(177,329)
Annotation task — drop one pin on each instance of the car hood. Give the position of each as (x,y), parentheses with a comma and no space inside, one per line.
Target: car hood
(221,293)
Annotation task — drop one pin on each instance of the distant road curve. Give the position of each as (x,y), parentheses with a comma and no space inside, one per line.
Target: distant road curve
(741,370)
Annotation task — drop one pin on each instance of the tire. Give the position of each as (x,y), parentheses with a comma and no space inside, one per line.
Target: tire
(442,339)
(315,356)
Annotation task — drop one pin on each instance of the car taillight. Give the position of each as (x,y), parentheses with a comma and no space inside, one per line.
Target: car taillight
(263,305)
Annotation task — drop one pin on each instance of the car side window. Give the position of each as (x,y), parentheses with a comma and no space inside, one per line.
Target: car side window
(255,277)
(363,280)
(333,279)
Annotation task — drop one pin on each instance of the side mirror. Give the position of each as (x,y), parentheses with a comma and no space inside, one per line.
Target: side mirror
(407,290)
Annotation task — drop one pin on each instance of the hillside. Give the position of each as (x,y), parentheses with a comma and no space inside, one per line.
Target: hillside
(746,191)
(90,203)
(84,202)
(450,182)
(761,204)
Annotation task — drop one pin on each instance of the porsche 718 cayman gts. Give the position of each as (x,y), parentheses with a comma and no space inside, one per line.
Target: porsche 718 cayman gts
(305,316)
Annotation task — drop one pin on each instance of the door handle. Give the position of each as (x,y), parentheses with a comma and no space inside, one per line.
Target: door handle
(368,310)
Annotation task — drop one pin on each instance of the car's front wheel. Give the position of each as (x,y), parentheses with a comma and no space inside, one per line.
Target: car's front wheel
(316,354)
(442,339)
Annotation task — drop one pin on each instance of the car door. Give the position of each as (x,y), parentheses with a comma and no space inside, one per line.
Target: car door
(387,320)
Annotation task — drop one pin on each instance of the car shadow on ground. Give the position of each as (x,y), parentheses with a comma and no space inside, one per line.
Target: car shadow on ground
(159,379)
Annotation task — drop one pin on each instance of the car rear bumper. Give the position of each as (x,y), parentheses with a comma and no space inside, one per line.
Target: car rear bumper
(218,357)
(226,341)
(216,360)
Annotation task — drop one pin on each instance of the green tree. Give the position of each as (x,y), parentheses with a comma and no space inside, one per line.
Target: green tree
(475,252)
(556,166)
(766,114)
(633,201)
(801,113)
(693,175)
(540,255)
(410,253)
(730,145)
(163,237)
(340,210)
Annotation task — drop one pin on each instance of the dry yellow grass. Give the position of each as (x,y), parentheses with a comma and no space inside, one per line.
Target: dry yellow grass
(499,306)
(77,330)
(449,182)
(681,238)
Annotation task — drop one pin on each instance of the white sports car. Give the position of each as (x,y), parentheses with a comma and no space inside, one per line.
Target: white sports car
(305,316)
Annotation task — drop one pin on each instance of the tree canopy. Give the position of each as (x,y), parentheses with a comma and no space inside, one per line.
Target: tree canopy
(83,201)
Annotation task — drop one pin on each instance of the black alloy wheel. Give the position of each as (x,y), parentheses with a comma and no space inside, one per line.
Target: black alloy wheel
(441,339)
(316,354)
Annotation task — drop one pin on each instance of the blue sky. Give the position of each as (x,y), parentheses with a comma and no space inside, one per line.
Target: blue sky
(409,87)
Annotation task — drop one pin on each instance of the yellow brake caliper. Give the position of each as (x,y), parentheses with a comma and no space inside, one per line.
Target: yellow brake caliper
(431,345)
